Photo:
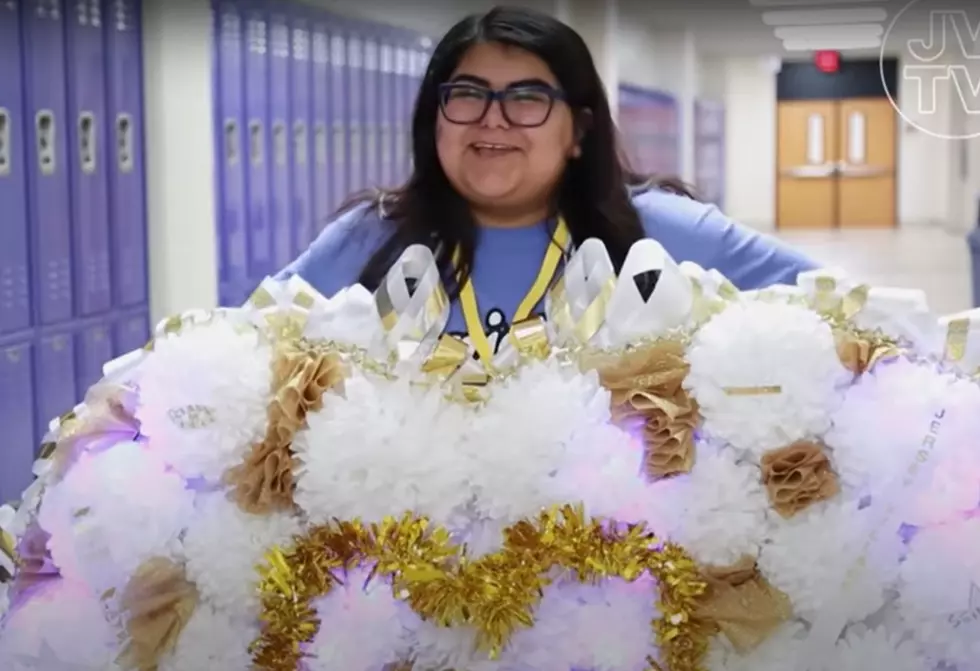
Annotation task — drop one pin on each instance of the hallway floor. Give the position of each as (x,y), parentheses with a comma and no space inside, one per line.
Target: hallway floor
(919,258)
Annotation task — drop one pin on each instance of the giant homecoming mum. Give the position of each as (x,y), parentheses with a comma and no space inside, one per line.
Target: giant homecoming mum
(666,474)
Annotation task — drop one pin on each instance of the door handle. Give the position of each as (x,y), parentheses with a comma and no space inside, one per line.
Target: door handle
(848,170)
(811,171)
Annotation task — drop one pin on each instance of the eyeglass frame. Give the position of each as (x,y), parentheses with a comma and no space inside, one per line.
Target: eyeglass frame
(499,95)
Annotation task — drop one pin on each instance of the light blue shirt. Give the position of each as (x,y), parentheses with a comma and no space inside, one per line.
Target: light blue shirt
(508,259)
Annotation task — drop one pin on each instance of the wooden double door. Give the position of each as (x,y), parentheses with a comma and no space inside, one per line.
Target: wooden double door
(836,164)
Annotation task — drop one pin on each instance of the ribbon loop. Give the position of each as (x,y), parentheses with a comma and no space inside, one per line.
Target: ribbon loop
(578,301)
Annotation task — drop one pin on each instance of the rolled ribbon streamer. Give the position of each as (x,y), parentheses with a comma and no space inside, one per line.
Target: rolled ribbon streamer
(527,339)
(668,305)
(576,305)
(960,334)
(413,305)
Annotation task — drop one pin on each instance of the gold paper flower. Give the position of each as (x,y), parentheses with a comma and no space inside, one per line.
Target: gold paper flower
(798,476)
(157,603)
(647,384)
(860,352)
(302,374)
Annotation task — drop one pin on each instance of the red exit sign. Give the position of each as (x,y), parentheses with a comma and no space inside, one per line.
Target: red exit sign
(827,61)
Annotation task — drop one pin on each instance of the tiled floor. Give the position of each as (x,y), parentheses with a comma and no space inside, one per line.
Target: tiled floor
(920,258)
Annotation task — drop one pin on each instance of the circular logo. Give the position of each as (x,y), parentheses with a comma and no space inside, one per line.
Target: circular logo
(937,44)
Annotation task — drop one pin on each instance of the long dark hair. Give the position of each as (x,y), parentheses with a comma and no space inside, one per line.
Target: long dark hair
(594,195)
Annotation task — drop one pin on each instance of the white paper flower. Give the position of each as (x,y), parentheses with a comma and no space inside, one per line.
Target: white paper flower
(213,641)
(589,626)
(787,350)
(349,317)
(939,598)
(718,512)
(224,546)
(363,627)
(61,626)
(809,556)
(203,397)
(112,511)
(388,448)
(884,420)
(877,649)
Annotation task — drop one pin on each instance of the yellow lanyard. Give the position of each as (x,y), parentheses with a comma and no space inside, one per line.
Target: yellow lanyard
(471,312)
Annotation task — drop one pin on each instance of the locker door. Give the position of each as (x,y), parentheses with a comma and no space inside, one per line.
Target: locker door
(301,106)
(403,108)
(130,333)
(280,115)
(87,156)
(94,348)
(387,104)
(257,111)
(355,114)
(127,189)
(55,378)
(17,419)
(321,126)
(339,144)
(49,204)
(230,138)
(15,299)
(372,111)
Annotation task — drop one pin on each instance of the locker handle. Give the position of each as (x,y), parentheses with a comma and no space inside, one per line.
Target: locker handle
(124,142)
(4,141)
(279,143)
(255,142)
(320,139)
(45,138)
(231,141)
(300,142)
(86,142)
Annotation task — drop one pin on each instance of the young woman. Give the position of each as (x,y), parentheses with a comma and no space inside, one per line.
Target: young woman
(515,151)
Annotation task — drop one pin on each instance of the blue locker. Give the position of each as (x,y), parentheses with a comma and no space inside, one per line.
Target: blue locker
(356,181)
(127,188)
(301,106)
(229,131)
(17,418)
(48,187)
(94,346)
(322,203)
(87,154)
(260,262)
(372,112)
(15,298)
(339,145)
(131,332)
(280,116)
(54,378)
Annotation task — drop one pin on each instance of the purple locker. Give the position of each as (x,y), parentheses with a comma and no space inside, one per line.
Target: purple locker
(321,125)
(356,177)
(372,113)
(130,333)
(387,103)
(405,93)
(48,189)
(301,79)
(339,146)
(15,299)
(87,155)
(229,122)
(54,378)
(257,111)
(127,190)
(279,114)
(93,348)
(17,419)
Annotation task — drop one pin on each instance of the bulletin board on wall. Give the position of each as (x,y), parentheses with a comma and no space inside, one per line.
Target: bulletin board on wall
(649,123)
(709,151)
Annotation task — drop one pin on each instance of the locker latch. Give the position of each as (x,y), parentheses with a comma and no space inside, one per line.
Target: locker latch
(45,138)
(124,142)
(86,142)
(4,142)
(255,142)
(231,142)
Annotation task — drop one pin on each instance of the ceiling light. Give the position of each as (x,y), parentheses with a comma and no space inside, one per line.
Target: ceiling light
(816,17)
(825,32)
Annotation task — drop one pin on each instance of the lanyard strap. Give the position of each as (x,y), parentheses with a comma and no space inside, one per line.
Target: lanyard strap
(471,311)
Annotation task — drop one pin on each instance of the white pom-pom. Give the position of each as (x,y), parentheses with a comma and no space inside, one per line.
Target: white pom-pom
(204,395)
(114,510)
(388,448)
(349,317)
(876,649)
(780,652)
(765,375)
(224,545)
(213,641)
(60,626)
(362,627)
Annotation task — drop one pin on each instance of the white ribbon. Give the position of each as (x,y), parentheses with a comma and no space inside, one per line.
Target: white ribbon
(413,320)
(629,315)
(576,306)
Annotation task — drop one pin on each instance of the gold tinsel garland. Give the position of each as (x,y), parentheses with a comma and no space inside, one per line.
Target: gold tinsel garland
(496,593)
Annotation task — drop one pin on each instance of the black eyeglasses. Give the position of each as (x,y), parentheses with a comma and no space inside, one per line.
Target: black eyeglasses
(523,106)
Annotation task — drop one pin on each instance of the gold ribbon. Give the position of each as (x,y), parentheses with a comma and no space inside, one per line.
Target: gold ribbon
(530,338)
(8,547)
(860,353)
(843,308)
(449,354)
(957,334)
(762,390)
(588,325)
